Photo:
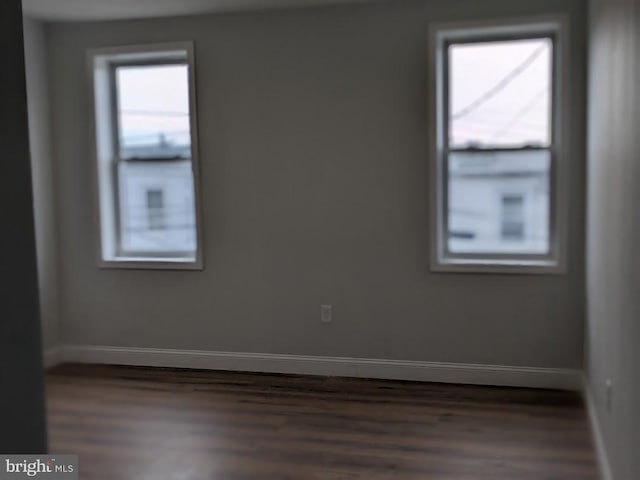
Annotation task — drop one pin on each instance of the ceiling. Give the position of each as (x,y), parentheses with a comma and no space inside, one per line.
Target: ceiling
(83,10)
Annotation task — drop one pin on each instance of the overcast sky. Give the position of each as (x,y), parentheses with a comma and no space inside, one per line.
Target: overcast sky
(500,92)
(154,100)
(500,95)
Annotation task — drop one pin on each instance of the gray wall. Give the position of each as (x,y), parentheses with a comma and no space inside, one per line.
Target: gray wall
(22,422)
(42,173)
(314,153)
(613,330)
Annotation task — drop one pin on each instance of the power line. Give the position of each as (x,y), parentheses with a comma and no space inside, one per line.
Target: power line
(493,91)
(521,113)
(495,117)
(157,135)
(493,126)
(155,113)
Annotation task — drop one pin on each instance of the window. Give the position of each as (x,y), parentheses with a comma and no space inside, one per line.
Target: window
(497,157)
(513,222)
(155,209)
(146,156)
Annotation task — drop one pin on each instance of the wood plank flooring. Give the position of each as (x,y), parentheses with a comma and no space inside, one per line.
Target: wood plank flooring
(134,423)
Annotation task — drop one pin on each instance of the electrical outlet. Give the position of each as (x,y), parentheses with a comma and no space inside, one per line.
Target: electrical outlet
(608,392)
(326,313)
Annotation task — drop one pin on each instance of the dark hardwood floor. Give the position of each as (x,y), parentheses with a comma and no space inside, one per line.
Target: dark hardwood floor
(164,424)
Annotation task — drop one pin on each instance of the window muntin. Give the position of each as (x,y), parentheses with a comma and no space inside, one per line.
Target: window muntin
(146,159)
(496,136)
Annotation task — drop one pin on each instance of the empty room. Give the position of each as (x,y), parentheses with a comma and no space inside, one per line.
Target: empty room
(320,239)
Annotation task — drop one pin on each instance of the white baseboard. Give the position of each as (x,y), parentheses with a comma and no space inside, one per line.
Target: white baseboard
(52,357)
(596,431)
(565,379)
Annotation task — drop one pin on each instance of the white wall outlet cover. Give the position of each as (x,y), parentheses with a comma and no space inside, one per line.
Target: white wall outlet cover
(326,313)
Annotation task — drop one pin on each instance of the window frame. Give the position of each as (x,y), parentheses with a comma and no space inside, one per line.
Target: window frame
(106,153)
(440,37)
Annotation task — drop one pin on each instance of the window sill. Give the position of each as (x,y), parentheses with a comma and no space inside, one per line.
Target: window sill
(521,267)
(132,263)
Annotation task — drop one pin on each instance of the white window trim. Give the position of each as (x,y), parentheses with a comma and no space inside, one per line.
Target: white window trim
(556,261)
(103,219)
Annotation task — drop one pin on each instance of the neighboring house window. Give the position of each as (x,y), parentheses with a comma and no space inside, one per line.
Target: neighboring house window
(155,209)
(497,129)
(147,163)
(513,221)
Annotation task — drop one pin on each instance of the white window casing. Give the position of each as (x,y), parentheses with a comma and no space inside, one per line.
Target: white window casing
(460,247)
(147,193)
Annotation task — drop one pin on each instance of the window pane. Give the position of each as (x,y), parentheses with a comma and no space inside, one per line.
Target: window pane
(499,202)
(500,93)
(157,208)
(156,192)
(153,111)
